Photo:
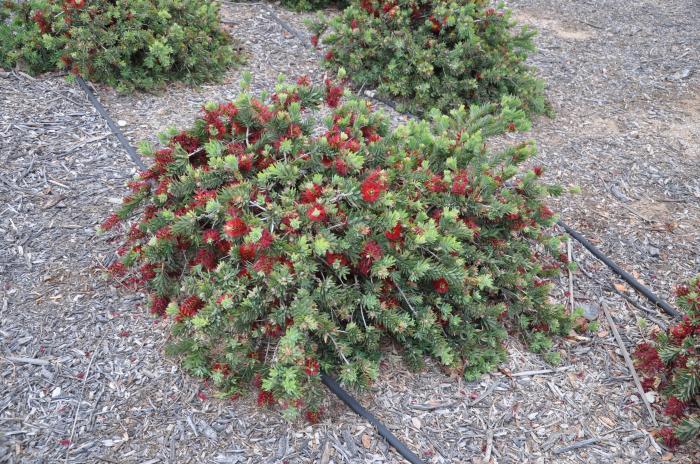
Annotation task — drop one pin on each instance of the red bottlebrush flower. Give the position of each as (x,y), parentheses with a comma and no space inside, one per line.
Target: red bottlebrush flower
(545,212)
(223,368)
(110,222)
(669,437)
(435,184)
(235,227)
(164,157)
(316,213)
(353,24)
(680,362)
(311,367)
(371,252)
(511,127)
(206,258)
(313,416)
(164,233)
(394,234)
(190,306)
(117,269)
(264,113)
(460,184)
(314,41)
(648,384)
(680,331)
(538,170)
(370,190)
(675,408)
(341,167)
(682,290)
(648,360)
(147,271)
(441,286)
(186,141)
(39,19)
(265,398)
(264,264)
(435,26)
(329,55)
(245,162)
(64,442)
(304,81)
(333,92)
(159,305)
(311,194)
(211,236)
(333,257)
(265,240)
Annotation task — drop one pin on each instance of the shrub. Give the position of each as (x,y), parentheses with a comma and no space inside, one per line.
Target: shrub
(433,53)
(124,43)
(280,250)
(671,365)
(309,5)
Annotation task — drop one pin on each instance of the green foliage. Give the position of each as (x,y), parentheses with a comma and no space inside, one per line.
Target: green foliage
(280,250)
(672,366)
(433,53)
(310,5)
(129,44)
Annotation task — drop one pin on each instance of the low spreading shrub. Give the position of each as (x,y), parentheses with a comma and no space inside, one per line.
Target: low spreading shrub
(309,5)
(281,250)
(125,43)
(671,365)
(433,53)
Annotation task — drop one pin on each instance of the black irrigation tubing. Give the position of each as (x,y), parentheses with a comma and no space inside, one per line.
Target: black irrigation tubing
(626,276)
(113,127)
(661,303)
(327,381)
(361,411)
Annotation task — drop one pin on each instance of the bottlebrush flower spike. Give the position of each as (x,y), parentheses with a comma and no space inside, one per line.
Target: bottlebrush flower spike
(316,213)
(441,286)
(235,227)
(190,306)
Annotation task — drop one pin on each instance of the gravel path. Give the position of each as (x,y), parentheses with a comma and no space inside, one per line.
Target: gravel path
(83,377)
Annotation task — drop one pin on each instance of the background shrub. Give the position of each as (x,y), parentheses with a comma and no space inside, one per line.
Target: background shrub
(280,250)
(309,5)
(125,43)
(434,53)
(671,365)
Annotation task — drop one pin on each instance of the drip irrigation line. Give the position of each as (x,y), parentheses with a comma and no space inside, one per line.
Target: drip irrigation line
(361,411)
(626,276)
(331,384)
(113,127)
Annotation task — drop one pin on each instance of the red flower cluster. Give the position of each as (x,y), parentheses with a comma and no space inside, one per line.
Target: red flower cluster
(316,213)
(158,305)
(235,227)
(311,367)
(371,252)
(394,234)
(372,187)
(333,92)
(265,398)
(441,286)
(190,306)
